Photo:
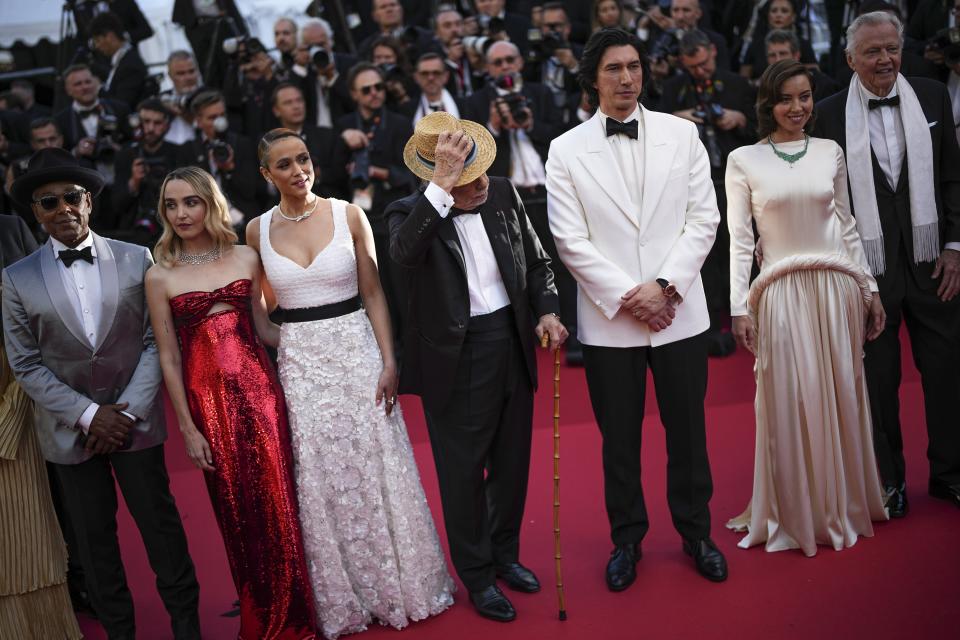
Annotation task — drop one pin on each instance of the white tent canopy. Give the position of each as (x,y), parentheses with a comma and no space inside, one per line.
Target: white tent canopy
(29,21)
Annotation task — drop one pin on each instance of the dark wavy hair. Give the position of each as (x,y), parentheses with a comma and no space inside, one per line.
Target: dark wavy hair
(597,45)
(768,94)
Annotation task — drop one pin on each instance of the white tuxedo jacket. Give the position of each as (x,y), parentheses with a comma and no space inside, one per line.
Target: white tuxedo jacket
(610,245)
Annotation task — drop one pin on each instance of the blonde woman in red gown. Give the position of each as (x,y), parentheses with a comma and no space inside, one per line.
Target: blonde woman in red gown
(209,320)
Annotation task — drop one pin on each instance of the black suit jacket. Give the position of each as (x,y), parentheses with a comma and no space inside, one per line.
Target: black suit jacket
(16,241)
(547,122)
(894,203)
(330,176)
(438,308)
(339,93)
(386,150)
(70,126)
(128,80)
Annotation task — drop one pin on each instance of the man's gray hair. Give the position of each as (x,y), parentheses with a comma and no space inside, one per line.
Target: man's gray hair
(288,20)
(319,22)
(872,19)
(180,54)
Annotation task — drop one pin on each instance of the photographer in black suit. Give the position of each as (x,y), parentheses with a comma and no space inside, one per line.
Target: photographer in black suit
(553,61)
(481,293)
(323,74)
(228,156)
(126,80)
(721,104)
(141,168)
(207,25)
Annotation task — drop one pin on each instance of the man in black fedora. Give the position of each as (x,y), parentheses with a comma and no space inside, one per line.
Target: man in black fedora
(480,293)
(79,343)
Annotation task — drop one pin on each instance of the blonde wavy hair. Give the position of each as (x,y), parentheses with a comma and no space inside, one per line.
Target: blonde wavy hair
(216,222)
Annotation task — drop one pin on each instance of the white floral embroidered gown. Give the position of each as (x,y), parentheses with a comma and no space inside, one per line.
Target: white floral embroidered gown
(371,545)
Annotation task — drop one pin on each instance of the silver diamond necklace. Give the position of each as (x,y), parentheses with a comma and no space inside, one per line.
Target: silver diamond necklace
(199,258)
(302,216)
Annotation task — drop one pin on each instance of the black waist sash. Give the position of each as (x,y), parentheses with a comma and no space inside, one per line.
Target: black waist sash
(323,312)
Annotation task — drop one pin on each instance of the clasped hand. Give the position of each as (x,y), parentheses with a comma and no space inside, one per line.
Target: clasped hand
(646,303)
(108,429)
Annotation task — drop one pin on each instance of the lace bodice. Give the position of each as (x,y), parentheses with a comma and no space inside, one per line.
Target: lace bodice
(331,277)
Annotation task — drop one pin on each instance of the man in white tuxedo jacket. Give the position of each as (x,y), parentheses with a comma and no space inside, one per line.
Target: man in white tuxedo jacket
(633,211)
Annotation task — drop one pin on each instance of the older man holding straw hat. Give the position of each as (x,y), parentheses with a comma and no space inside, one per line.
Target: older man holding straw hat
(481,295)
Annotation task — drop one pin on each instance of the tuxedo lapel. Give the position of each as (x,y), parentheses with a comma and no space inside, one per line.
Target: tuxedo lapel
(449,237)
(496,228)
(60,299)
(601,164)
(109,288)
(658,153)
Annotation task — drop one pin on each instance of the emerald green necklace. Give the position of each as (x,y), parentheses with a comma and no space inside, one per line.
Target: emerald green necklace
(790,157)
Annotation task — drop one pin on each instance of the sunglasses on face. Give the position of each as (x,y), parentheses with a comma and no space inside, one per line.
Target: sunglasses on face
(378,87)
(497,62)
(50,203)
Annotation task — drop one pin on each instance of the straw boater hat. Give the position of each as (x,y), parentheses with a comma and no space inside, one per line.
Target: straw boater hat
(53,165)
(419,156)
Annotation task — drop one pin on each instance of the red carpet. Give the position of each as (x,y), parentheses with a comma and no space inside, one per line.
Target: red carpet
(902,583)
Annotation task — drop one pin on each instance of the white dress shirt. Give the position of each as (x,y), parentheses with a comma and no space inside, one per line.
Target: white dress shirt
(889,143)
(82,283)
(91,123)
(446,103)
(630,157)
(887,139)
(484,283)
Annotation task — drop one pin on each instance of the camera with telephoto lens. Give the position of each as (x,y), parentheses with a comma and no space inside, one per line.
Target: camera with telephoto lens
(109,137)
(217,145)
(360,176)
(320,57)
(666,45)
(242,49)
(477,44)
(544,45)
(947,42)
(514,99)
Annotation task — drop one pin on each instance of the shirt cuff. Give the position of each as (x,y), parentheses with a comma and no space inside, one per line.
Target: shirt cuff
(130,415)
(86,419)
(440,199)
(952,245)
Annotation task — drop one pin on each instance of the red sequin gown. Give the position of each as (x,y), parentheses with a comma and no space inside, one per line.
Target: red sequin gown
(237,404)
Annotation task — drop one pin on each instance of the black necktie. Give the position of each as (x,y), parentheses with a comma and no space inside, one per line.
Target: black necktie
(626,128)
(883,102)
(69,256)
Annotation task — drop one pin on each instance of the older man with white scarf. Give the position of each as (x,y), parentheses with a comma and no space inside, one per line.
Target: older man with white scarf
(903,164)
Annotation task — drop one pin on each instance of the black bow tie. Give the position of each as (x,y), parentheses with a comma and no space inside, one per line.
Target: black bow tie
(86,113)
(460,212)
(883,102)
(69,256)
(626,128)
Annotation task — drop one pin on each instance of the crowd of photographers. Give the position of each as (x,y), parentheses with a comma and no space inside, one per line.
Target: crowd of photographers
(354,77)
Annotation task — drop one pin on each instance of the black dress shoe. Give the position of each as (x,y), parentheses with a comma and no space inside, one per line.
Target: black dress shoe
(622,567)
(491,603)
(518,577)
(710,562)
(897,505)
(948,492)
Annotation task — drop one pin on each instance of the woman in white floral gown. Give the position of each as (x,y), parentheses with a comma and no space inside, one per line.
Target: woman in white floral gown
(371,545)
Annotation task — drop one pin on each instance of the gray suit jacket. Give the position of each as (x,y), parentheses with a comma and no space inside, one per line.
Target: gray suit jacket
(58,368)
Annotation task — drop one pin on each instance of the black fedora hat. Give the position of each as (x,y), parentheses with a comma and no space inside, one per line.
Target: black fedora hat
(53,165)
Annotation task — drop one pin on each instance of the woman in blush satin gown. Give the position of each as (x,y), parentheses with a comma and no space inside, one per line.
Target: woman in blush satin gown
(206,309)
(805,318)
(372,549)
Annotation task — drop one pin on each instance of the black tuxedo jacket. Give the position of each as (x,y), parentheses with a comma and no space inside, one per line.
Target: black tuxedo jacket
(16,241)
(438,307)
(893,202)
(339,92)
(547,122)
(330,176)
(128,80)
(70,126)
(243,186)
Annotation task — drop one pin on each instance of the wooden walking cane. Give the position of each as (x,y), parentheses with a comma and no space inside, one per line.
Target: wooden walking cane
(544,341)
